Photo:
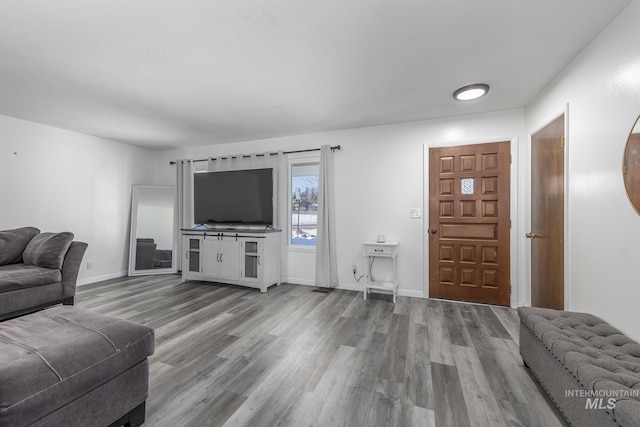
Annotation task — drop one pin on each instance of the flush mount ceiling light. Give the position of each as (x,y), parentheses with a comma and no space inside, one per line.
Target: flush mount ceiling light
(467,93)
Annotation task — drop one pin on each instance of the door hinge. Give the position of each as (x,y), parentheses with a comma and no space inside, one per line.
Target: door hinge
(510,158)
(562,141)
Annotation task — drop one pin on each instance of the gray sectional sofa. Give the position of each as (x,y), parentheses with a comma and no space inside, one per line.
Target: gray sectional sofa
(149,257)
(37,270)
(63,366)
(589,369)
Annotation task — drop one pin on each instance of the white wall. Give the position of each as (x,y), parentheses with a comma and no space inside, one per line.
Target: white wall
(58,180)
(602,87)
(378,177)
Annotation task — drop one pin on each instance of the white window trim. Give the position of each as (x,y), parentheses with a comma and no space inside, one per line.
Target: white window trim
(291,161)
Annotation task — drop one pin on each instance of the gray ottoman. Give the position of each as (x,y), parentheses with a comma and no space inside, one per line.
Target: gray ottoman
(71,367)
(588,368)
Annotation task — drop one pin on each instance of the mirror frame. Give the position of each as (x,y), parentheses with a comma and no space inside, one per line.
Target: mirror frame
(634,199)
(135,195)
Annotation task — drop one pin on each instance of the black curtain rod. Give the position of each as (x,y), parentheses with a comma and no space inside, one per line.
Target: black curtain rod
(336,147)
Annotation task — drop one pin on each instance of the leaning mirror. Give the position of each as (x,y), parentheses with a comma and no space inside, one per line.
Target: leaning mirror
(153,230)
(631,166)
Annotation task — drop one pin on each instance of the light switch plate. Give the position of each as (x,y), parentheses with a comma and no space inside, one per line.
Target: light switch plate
(414,213)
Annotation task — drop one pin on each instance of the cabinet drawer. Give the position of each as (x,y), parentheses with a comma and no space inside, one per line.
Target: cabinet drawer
(379,250)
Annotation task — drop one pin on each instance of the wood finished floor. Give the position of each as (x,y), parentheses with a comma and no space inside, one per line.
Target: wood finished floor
(231,356)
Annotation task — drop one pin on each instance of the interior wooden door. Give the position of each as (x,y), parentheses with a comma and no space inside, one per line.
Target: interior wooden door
(469,223)
(547,216)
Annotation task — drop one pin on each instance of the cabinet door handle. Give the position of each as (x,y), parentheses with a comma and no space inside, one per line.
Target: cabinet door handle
(258,259)
(186,254)
(221,257)
(218,257)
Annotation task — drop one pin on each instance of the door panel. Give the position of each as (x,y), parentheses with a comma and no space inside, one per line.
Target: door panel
(469,221)
(547,216)
(229,259)
(211,257)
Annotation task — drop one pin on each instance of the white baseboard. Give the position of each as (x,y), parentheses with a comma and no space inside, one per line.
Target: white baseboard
(95,279)
(357,288)
(411,294)
(304,282)
(307,282)
(351,287)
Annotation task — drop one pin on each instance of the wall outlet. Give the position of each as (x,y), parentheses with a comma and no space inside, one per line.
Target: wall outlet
(89,265)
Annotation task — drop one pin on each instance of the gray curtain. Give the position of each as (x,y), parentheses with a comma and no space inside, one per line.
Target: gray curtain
(184,210)
(282,211)
(326,264)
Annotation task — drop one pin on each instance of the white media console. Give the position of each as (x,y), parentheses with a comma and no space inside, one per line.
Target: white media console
(238,257)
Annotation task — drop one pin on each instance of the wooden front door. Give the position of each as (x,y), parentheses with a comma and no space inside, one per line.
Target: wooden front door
(547,216)
(469,223)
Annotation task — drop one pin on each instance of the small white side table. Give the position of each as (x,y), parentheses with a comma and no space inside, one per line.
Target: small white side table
(383,250)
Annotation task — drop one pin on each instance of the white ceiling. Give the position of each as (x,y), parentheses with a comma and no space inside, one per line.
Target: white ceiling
(166,73)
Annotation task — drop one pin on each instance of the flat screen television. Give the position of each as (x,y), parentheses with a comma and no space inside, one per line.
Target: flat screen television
(239,197)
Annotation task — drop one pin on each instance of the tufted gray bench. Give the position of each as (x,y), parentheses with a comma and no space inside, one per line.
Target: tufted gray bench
(65,366)
(589,369)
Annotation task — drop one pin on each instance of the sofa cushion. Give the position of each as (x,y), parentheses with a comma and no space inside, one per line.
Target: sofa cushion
(52,357)
(48,249)
(13,242)
(19,276)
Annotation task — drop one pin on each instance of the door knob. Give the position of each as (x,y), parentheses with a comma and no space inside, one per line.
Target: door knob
(433,231)
(532,235)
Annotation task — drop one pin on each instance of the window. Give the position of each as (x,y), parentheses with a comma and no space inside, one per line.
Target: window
(303,203)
